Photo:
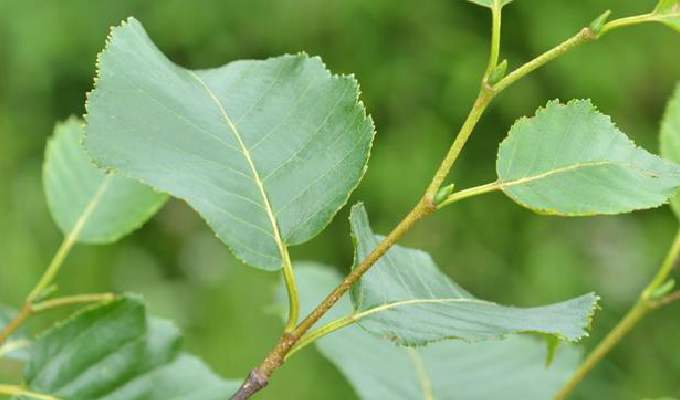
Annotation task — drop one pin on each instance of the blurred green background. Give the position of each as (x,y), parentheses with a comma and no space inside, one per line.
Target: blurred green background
(419,64)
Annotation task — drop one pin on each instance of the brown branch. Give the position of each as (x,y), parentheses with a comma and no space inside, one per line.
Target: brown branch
(259,377)
(18,320)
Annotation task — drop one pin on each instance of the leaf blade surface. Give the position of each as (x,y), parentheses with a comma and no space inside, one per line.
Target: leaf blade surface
(405,297)
(571,160)
(378,369)
(103,205)
(266,151)
(114,352)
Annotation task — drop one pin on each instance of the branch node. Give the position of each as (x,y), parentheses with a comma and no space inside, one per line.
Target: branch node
(255,382)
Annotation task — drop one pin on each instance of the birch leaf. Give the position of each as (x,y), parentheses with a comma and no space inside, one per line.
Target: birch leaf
(406,298)
(670,138)
(114,352)
(102,205)
(571,160)
(513,368)
(266,151)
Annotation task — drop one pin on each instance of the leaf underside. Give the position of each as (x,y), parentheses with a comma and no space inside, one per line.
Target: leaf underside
(72,184)
(513,368)
(115,352)
(409,300)
(266,151)
(670,137)
(571,160)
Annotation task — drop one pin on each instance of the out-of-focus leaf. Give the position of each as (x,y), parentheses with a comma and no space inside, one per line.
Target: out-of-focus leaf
(405,297)
(16,346)
(670,137)
(668,12)
(513,368)
(490,3)
(571,160)
(107,205)
(114,352)
(266,151)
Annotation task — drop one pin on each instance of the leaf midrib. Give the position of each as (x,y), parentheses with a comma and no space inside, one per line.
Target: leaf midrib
(568,168)
(395,304)
(283,251)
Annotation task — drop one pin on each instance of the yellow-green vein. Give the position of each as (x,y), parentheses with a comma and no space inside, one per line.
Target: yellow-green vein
(288,274)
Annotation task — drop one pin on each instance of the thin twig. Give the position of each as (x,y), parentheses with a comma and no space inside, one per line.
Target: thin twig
(30,309)
(642,307)
(259,376)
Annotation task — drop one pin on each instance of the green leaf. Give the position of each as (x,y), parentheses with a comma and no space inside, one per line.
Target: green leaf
(266,151)
(81,196)
(571,160)
(114,352)
(513,368)
(668,12)
(406,298)
(670,138)
(490,3)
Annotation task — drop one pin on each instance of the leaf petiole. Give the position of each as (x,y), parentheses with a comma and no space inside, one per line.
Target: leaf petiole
(470,192)
(496,10)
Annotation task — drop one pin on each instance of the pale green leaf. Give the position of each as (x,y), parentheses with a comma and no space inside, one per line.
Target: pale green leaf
(406,298)
(670,137)
(266,151)
(490,3)
(571,160)
(107,205)
(668,12)
(114,352)
(513,368)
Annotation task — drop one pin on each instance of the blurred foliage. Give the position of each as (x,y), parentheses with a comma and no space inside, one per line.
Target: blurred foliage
(419,65)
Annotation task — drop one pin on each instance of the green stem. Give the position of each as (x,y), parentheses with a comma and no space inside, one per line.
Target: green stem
(316,334)
(73,300)
(293,295)
(581,37)
(642,307)
(629,21)
(470,192)
(57,261)
(483,99)
(30,309)
(53,269)
(495,38)
(68,243)
(11,390)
